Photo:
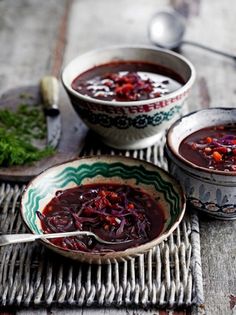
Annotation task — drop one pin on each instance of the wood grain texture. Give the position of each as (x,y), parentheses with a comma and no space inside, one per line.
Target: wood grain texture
(214,26)
(28,31)
(28,40)
(186,8)
(219,263)
(114,311)
(37,35)
(33,312)
(60,42)
(97,311)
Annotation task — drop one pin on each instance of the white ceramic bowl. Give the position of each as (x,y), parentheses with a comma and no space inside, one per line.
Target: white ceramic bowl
(105,169)
(210,191)
(136,124)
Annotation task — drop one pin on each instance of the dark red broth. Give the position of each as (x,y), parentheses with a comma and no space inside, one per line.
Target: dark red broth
(127,81)
(213,148)
(112,211)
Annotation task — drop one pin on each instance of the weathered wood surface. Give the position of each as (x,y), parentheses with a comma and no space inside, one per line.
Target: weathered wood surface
(32,41)
(93,311)
(32,37)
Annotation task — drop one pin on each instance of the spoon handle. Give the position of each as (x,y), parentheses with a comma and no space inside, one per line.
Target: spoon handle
(25,238)
(16,238)
(216,51)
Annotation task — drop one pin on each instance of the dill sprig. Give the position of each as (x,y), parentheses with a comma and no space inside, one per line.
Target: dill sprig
(18,131)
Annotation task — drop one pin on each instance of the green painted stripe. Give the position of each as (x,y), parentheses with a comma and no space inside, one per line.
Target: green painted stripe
(108,170)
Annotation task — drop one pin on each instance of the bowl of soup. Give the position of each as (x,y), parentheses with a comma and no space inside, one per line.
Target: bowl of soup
(129,95)
(201,153)
(120,199)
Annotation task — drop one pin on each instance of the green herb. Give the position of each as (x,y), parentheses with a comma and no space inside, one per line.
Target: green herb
(18,131)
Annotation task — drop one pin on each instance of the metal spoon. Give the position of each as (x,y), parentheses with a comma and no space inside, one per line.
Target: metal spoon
(166,29)
(24,238)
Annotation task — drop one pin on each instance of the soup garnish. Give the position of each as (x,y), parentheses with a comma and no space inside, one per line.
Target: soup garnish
(22,133)
(112,211)
(127,81)
(213,148)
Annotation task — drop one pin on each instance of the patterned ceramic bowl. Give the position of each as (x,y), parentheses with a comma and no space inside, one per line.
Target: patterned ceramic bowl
(104,169)
(136,124)
(209,191)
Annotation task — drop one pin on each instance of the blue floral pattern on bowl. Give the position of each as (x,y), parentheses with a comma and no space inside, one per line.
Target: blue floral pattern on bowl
(123,122)
(210,191)
(130,124)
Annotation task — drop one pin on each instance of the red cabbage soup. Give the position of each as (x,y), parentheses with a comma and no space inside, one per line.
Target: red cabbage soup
(112,211)
(213,148)
(127,81)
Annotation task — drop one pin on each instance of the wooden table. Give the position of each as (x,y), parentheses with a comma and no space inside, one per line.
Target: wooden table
(38,36)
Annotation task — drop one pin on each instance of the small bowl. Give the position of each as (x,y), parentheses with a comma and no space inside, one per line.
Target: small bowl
(136,124)
(104,169)
(209,191)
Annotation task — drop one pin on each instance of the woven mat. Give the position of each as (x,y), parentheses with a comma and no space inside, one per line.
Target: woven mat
(169,275)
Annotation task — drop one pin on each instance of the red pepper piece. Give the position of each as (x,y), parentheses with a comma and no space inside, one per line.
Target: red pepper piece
(222,150)
(113,197)
(208,139)
(130,206)
(101,203)
(194,146)
(124,89)
(217,156)
(102,193)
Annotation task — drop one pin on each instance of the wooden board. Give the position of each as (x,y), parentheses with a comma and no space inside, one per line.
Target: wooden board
(71,141)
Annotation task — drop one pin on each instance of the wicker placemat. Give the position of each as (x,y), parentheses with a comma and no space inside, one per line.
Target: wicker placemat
(168,275)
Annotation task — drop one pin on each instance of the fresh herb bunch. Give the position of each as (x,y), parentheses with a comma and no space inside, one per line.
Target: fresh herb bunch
(18,131)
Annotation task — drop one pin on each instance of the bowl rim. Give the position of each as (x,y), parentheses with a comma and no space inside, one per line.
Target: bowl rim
(173,94)
(175,152)
(133,251)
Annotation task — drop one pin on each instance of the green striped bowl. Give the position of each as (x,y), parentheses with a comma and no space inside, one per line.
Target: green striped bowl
(104,169)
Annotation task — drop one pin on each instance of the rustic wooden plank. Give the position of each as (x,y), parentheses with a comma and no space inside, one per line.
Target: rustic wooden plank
(108,23)
(37,49)
(113,311)
(32,312)
(218,259)
(96,311)
(30,56)
(60,42)
(186,8)
(28,40)
(215,74)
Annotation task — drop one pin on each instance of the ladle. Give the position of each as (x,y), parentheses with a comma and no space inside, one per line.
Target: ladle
(167,28)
